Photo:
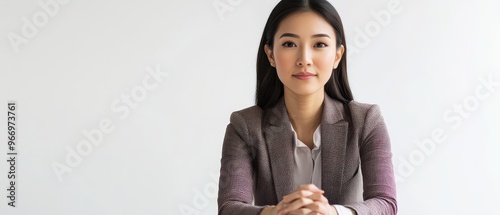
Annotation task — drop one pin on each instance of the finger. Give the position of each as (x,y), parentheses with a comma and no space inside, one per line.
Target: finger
(300,211)
(321,208)
(281,205)
(318,207)
(310,187)
(296,204)
(296,195)
(318,197)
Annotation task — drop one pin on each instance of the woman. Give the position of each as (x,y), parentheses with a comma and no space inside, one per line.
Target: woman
(306,147)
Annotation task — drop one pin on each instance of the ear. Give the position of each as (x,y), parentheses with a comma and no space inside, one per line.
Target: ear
(269,54)
(338,56)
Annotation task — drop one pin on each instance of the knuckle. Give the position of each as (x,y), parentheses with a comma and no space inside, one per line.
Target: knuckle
(303,200)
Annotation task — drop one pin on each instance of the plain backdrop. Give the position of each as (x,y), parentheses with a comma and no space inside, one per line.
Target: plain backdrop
(432,67)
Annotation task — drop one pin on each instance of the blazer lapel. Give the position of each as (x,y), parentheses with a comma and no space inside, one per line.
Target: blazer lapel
(279,140)
(333,145)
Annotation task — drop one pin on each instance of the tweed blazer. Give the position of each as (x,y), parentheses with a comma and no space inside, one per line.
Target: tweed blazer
(257,164)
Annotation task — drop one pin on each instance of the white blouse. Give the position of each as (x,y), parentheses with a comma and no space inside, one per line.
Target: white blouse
(308,165)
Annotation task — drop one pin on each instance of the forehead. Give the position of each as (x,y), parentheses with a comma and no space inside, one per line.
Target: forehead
(305,23)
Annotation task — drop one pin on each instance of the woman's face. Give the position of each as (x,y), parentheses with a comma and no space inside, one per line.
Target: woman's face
(304,53)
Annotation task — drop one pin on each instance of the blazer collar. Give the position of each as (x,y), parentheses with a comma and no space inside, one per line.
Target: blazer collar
(279,139)
(334,129)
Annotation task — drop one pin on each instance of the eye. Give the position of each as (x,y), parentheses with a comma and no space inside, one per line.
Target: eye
(289,44)
(320,45)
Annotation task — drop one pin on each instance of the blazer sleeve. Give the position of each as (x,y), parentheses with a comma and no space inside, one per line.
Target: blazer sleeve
(236,174)
(376,165)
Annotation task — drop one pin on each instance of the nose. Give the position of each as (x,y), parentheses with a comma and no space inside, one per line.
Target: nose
(305,57)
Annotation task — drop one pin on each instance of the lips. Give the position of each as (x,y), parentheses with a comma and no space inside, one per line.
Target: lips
(304,75)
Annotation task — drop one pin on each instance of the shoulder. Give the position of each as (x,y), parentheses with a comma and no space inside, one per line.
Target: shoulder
(246,119)
(250,114)
(366,117)
(352,111)
(362,116)
(360,110)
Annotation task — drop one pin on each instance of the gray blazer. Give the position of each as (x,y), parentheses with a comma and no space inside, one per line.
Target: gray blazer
(257,164)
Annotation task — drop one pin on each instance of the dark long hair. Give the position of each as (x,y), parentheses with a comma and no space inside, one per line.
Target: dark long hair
(269,88)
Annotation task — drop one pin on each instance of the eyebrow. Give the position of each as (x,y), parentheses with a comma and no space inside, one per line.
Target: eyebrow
(297,36)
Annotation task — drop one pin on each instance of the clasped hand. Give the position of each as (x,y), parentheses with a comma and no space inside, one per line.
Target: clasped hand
(306,200)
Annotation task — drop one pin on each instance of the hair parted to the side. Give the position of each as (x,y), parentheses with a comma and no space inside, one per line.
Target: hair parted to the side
(269,88)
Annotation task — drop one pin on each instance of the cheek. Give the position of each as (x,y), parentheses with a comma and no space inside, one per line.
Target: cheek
(285,63)
(284,59)
(325,62)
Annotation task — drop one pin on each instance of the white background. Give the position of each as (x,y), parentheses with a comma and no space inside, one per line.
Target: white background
(163,157)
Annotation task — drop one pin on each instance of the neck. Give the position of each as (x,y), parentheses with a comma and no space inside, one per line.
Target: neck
(304,111)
